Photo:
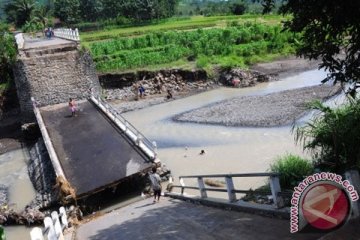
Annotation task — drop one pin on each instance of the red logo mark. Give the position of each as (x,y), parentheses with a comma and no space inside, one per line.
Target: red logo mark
(325,206)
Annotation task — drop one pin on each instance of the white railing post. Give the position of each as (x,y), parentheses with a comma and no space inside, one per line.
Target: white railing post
(57,225)
(20,40)
(230,189)
(275,190)
(182,185)
(77,34)
(63,216)
(202,187)
(49,227)
(138,139)
(36,234)
(155,149)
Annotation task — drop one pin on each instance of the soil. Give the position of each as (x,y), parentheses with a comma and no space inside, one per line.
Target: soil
(286,66)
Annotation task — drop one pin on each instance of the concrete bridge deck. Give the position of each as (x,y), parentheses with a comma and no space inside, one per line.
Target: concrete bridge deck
(41,43)
(176,219)
(93,153)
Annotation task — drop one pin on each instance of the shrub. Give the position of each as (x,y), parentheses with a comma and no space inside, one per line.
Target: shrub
(202,62)
(292,170)
(333,136)
(2,233)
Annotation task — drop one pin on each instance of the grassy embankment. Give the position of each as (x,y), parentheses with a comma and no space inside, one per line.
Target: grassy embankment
(199,41)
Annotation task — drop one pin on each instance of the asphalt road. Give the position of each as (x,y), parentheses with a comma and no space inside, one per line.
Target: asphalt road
(92,151)
(176,219)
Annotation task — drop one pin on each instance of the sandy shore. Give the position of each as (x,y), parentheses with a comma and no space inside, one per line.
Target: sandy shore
(270,110)
(286,66)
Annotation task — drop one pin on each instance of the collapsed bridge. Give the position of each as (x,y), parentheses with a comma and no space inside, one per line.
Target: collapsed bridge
(98,148)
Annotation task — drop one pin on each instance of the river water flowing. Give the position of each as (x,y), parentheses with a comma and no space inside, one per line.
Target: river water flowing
(228,149)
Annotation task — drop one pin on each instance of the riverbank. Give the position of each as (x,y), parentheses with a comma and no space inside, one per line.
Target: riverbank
(275,70)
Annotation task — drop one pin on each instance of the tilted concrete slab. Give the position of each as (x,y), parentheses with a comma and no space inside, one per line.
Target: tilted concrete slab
(92,152)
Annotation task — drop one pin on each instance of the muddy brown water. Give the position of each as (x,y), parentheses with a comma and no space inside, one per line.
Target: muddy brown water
(228,149)
(14,175)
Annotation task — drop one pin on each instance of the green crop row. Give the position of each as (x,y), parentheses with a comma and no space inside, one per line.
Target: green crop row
(141,58)
(244,40)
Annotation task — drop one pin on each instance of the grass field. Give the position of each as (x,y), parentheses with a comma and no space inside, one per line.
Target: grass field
(202,42)
(177,24)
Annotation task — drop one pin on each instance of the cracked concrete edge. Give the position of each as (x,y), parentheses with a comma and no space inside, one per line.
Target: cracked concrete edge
(241,206)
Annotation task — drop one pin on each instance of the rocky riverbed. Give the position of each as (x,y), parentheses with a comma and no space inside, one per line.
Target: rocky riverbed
(270,110)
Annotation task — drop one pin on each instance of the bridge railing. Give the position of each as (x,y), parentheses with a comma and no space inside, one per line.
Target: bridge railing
(136,136)
(230,187)
(67,33)
(53,227)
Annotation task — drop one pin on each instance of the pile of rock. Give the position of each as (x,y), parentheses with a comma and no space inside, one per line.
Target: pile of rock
(29,216)
(237,77)
(3,195)
(160,84)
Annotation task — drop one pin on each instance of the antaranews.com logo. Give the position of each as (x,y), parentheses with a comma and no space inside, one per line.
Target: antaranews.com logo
(323,201)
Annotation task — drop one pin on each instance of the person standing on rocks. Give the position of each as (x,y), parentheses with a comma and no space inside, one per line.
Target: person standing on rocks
(72,106)
(155,184)
(141,91)
(169,94)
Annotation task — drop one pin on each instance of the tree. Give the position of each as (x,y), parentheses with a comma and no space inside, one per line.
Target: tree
(7,53)
(19,11)
(112,9)
(238,8)
(330,32)
(90,9)
(67,11)
(42,14)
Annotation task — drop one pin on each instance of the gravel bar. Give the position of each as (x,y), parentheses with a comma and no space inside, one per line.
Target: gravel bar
(270,110)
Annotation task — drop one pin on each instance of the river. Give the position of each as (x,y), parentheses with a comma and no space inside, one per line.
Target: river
(228,149)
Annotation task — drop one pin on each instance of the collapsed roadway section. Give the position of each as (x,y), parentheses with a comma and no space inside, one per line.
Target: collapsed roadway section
(94,150)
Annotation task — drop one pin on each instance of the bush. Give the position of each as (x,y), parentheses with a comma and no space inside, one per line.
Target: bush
(2,233)
(202,62)
(292,170)
(333,137)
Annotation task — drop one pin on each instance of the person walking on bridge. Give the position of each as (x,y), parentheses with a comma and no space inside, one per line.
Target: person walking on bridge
(155,184)
(72,106)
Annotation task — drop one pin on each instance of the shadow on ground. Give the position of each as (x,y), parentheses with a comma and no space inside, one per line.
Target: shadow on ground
(175,219)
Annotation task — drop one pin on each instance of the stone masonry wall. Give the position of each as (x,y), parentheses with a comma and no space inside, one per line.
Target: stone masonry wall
(54,78)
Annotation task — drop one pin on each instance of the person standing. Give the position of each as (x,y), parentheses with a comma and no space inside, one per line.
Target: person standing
(141,91)
(155,184)
(72,106)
